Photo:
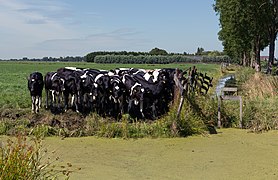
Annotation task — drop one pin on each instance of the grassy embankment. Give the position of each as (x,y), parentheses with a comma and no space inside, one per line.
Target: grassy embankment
(260,100)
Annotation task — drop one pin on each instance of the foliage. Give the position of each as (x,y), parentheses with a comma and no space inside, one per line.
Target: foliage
(200,50)
(160,59)
(243,33)
(259,94)
(193,120)
(53,59)
(157,51)
(90,57)
(24,159)
(261,86)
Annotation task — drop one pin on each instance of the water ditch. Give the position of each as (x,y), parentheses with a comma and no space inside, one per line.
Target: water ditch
(221,83)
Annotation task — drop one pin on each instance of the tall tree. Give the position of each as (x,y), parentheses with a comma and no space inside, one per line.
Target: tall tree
(200,50)
(157,51)
(271,24)
(241,30)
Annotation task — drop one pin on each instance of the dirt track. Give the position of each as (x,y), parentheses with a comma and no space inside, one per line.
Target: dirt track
(231,154)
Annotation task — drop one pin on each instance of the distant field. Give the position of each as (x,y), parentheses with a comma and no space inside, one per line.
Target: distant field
(13,76)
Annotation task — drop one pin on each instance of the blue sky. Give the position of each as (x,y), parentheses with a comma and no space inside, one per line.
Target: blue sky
(39,28)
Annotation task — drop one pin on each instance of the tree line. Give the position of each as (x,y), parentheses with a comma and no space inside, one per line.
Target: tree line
(155,56)
(159,59)
(53,59)
(246,28)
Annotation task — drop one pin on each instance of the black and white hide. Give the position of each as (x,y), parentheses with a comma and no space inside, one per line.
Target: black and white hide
(135,96)
(72,86)
(35,86)
(117,97)
(89,92)
(155,95)
(102,85)
(54,87)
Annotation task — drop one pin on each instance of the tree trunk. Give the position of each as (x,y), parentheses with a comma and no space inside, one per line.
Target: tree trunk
(257,54)
(258,57)
(244,60)
(272,47)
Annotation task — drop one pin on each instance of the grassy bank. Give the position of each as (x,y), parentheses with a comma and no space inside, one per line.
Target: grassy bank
(260,99)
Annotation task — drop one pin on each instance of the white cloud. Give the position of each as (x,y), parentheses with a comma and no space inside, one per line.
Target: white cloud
(36,28)
(24,23)
(121,39)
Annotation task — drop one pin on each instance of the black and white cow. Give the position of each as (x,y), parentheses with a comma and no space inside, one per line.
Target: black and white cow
(35,86)
(72,86)
(135,98)
(102,85)
(154,96)
(54,87)
(88,88)
(117,97)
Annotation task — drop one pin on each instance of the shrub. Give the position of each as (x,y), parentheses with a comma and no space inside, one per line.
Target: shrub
(24,159)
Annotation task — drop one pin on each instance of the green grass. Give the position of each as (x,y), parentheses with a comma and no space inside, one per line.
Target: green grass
(22,158)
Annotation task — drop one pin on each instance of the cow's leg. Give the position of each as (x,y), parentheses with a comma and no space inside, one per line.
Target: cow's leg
(130,102)
(53,98)
(66,98)
(141,108)
(76,103)
(59,99)
(72,100)
(33,103)
(40,101)
(46,99)
(153,111)
(121,106)
(37,104)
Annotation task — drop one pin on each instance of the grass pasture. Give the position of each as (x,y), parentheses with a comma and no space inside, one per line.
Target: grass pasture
(13,76)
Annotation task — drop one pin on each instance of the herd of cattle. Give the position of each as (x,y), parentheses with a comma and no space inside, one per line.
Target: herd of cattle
(138,92)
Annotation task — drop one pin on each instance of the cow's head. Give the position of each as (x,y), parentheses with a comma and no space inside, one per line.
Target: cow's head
(103,82)
(58,84)
(137,93)
(117,88)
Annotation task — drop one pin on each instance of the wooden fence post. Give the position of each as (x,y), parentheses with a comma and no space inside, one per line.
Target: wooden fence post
(219,113)
(240,112)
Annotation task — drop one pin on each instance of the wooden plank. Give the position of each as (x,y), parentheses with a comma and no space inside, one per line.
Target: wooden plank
(229,89)
(178,84)
(234,98)
(180,107)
